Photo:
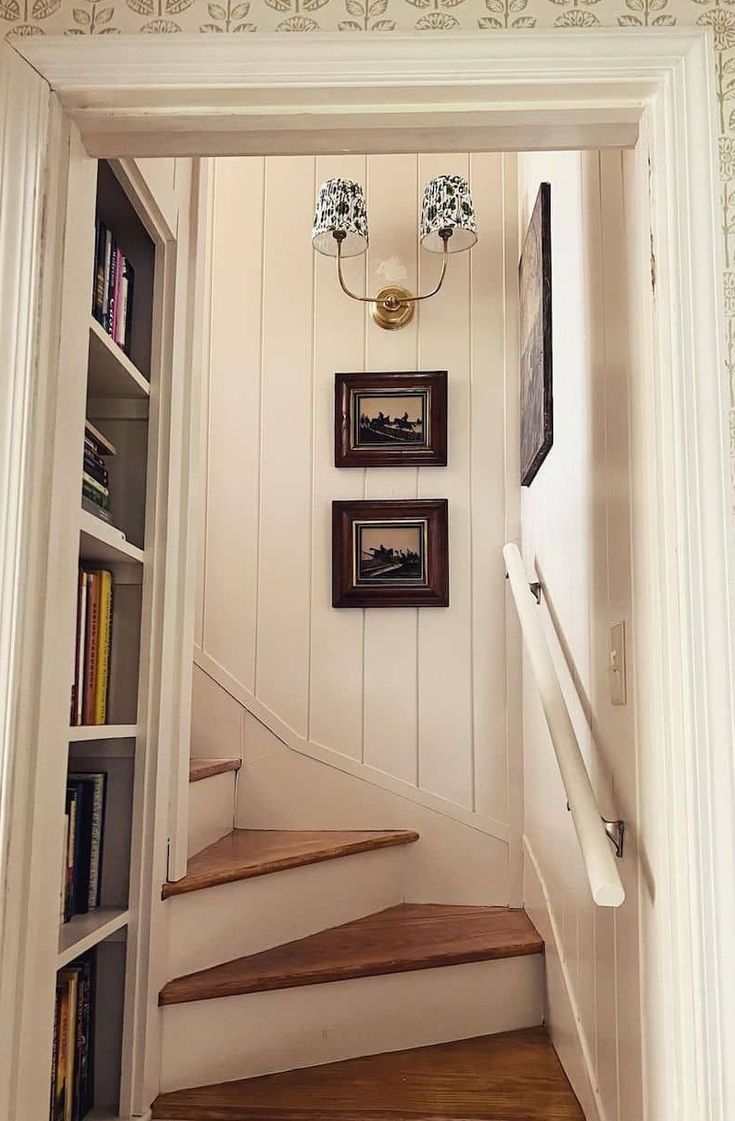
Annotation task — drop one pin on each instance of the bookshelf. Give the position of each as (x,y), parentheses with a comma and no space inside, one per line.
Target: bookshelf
(111,799)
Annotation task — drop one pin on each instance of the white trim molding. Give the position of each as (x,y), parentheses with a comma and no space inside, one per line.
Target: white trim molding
(313,750)
(24,132)
(174,95)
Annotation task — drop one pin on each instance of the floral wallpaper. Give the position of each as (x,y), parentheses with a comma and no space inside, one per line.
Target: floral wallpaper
(353,17)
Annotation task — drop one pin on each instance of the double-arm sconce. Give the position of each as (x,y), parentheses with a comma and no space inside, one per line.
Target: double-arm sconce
(341,230)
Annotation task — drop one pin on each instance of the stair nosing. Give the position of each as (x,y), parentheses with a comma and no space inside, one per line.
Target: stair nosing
(388,839)
(211,768)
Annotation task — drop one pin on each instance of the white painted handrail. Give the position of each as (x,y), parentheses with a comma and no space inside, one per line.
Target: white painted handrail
(597,853)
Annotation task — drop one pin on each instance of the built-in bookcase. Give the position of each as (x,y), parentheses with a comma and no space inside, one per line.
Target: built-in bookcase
(119,385)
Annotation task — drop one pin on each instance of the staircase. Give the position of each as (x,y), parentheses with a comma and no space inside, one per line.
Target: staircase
(304,986)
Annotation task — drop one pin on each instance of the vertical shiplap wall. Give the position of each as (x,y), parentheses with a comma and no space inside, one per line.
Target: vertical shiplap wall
(416,694)
(576,534)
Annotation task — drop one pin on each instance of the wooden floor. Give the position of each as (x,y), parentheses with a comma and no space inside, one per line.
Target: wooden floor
(408,937)
(207,768)
(245,853)
(515,1076)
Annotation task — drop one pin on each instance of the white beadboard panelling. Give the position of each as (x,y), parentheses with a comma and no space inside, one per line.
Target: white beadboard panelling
(231,559)
(488,311)
(391,654)
(582,494)
(336,636)
(284,568)
(446,740)
(415,694)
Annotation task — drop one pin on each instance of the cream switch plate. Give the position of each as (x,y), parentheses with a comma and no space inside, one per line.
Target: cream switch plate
(618,690)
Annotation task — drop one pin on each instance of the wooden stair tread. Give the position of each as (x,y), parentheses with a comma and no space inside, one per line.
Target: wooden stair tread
(513,1076)
(208,768)
(407,937)
(245,853)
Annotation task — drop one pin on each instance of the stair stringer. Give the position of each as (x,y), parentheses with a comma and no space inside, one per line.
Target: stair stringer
(457,859)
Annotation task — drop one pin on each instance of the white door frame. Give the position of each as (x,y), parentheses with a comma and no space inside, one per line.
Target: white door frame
(198,95)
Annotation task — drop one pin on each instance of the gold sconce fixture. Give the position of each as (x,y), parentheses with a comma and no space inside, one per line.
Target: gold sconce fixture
(341,230)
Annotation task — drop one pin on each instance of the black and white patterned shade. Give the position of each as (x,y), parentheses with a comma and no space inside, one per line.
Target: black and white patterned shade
(447,205)
(340,206)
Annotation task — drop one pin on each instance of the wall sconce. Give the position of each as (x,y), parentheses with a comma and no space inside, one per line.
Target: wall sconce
(341,230)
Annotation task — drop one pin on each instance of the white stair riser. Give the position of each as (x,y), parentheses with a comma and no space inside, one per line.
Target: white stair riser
(261,1033)
(218,924)
(211,810)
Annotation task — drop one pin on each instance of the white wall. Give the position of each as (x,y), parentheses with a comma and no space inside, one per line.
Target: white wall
(415,699)
(576,535)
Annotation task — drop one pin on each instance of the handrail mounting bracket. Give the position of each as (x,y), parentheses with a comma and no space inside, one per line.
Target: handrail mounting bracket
(535,590)
(616,832)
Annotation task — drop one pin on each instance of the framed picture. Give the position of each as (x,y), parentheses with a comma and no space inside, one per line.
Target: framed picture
(390,554)
(391,419)
(534,275)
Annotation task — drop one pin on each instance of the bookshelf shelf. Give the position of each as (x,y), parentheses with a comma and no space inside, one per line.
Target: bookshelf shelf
(85,931)
(111,373)
(83,732)
(102,542)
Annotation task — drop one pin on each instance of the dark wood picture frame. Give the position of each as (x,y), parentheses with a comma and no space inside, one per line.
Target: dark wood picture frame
(425,582)
(396,445)
(536,373)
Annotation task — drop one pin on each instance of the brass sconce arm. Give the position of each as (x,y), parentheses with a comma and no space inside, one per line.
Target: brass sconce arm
(393,306)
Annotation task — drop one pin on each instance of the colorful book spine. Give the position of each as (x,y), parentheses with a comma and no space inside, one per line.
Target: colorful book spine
(91,647)
(112,288)
(104,647)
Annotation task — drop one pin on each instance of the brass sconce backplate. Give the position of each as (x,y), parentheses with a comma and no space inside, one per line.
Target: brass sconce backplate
(390,309)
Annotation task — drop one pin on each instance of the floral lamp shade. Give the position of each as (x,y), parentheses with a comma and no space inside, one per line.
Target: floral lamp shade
(447,205)
(340,208)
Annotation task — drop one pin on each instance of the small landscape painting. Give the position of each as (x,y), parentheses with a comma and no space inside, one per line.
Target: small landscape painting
(534,275)
(393,419)
(390,553)
(385,421)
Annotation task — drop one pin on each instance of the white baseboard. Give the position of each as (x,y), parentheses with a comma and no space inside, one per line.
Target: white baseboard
(566,1028)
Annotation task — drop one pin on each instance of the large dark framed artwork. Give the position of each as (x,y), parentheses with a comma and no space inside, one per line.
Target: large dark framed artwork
(391,419)
(392,553)
(534,275)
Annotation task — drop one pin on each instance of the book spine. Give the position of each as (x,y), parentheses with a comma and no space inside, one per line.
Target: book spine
(94,508)
(96,468)
(112,291)
(129,310)
(95,485)
(54,1055)
(123,320)
(61,1060)
(95,495)
(70,855)
(104,646)
(118,281)
(79,627)
(82,644)
(64,851)
(106,278)
(71,1050)
(90,668)
(99,273)
(98,818)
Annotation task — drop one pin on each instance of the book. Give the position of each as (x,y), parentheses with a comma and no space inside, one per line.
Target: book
(60,1086)
(96,783)
(104,647)
(70,979)
(82,845)
(94,508)
(71,810)
(91,647)
(76,696)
